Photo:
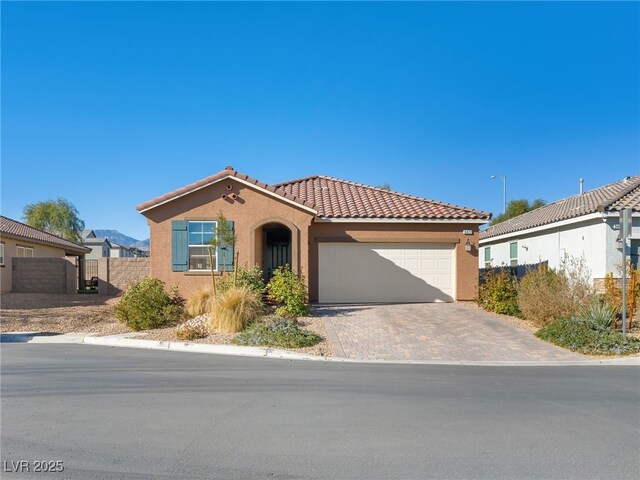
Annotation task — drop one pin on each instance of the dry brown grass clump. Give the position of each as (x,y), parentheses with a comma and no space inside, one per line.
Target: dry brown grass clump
(546,295)
(200,303)
(234,309)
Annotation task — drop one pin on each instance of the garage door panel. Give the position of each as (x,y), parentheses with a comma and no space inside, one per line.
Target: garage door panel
(360,272)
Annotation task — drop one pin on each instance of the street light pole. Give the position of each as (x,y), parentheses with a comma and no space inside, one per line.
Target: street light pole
(504,190)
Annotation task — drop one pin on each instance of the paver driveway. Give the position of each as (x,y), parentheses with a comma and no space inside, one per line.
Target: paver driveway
(431,331)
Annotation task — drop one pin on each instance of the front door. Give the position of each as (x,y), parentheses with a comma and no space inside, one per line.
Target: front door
(278,256)
(277,248)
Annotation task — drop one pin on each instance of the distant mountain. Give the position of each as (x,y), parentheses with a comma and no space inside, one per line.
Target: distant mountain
(122,239)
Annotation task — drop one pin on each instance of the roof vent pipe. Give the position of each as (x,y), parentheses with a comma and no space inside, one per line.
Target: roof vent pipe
(581,186)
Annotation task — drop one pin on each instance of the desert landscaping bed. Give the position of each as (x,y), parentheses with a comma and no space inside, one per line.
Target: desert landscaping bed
(93,314)
(40,312)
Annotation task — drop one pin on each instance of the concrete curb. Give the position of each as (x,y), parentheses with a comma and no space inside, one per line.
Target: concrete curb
(287,355)
(198,348)
(188,347)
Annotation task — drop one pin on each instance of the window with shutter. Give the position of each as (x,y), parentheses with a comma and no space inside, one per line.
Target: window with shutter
(179,246)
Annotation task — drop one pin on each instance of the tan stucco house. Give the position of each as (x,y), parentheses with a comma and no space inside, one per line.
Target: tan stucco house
(352,242)
(18,240)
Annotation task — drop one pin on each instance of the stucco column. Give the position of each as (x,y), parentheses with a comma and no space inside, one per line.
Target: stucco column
(103,276)
(71,276)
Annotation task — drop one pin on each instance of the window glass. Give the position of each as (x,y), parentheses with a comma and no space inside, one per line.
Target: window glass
(513,254)
(1,253)
(200,235)
(487,254)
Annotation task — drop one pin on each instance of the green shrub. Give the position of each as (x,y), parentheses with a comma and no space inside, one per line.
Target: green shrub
(275,331)
(234,308)
(146,304)
(246,277)
(598,314)
(289,289)
(498,293)
(579,336)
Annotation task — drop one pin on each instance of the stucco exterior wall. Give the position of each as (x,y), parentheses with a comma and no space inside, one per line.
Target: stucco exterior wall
(613,255)
(10,245)
(415,232)
(588,239)
(97,251)
(249,211)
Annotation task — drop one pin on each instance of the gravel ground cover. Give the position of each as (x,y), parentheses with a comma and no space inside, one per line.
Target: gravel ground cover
(93,314)
(40,312)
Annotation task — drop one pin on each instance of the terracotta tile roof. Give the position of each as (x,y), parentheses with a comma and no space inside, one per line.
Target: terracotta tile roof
(335,198)
(226,173)
(609,198)
(21,231)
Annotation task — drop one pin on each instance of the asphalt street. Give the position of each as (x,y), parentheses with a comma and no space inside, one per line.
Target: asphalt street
(117,413)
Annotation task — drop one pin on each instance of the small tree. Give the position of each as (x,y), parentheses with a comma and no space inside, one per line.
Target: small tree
(223,238)
(59,217)
(518,207)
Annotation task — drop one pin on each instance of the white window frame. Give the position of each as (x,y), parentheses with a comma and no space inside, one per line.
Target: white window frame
(214,254)
(24,250)
(1,254)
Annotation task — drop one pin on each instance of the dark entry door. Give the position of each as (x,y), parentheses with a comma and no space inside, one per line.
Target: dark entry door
(278,256)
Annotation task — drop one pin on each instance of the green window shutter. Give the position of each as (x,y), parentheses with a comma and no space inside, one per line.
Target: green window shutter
(228,256)
(179,246)
(513,250)
(487,254)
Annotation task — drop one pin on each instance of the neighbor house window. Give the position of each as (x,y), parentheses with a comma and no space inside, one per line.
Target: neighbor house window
(200,236)
(487,257)
(24,251)
(2,254)
(513,254)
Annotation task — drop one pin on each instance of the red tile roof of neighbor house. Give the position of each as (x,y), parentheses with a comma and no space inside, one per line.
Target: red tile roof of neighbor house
(334,198)
(609,198)
(20,231)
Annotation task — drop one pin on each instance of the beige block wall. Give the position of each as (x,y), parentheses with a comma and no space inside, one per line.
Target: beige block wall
(10,245)
(466,262)
(249,211)
(115,274)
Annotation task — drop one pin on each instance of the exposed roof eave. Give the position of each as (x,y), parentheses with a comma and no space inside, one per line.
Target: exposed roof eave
(218,177)
(67,250)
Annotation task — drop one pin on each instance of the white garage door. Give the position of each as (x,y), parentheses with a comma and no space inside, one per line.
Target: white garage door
(372,272)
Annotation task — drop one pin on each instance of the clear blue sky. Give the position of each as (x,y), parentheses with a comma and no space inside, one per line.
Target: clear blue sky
(111,104)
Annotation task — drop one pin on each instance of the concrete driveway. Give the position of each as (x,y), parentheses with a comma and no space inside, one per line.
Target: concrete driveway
(432,331)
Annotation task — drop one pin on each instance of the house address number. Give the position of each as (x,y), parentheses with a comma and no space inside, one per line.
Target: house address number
(467,232)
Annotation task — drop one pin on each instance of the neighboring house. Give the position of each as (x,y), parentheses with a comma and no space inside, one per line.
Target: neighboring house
(586,226)
(100,247)
(120,251)
(20,240)
(88,233)
(351,242)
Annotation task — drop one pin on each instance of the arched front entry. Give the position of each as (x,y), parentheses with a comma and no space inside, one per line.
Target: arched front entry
(275,243)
